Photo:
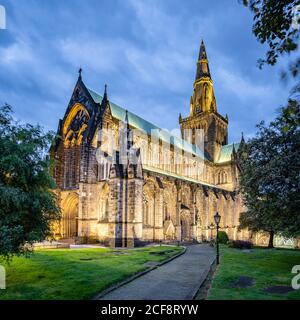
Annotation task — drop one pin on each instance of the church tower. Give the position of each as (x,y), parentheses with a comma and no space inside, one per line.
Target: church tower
(204,127)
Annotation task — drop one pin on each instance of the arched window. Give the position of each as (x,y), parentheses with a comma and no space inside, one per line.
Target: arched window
(103,169)
(219,177)
(145,212)
(165,210)
(101,210)
(71,167)
(106,208)
(193,135)
(222,177)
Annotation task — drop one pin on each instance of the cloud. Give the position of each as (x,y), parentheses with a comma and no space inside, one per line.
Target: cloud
(154,20)
(23,58)
(104,56)
(152,66)
(241,86)
(18,52)
(145,50)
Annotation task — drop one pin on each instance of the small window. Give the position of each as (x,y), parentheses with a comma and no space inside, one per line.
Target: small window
(222,177)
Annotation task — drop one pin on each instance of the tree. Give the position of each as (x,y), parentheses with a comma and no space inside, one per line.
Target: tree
(272,157)
(270,178)
(276,23)
(27,203)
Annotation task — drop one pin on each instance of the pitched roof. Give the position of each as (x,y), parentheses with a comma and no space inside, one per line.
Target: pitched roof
(143,125)
(226,152)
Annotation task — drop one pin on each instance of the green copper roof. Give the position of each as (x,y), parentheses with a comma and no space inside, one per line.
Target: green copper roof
(226,152)
(143,125)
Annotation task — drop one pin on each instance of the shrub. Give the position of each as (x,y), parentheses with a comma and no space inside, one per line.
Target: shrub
(240,244)
(223,237)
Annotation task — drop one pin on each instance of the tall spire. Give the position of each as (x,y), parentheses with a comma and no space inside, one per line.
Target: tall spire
(126,120)
(104,101)
(202,51)
(203,99)
(128,132)
(202,64)
(242,139)
(105,93)
(209,127)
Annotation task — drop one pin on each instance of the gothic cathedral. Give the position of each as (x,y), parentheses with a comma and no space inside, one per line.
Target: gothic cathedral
(168,189)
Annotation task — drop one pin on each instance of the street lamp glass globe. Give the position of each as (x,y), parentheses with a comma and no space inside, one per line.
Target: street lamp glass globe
(217,218)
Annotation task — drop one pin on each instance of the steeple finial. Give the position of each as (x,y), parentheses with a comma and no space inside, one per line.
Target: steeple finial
(128,132)
(202,51)
(242,139)
(79,73)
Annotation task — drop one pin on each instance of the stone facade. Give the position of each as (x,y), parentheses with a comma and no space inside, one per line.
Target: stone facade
(165,191)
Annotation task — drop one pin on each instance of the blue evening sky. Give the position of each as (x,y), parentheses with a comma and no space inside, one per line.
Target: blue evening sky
(145,50)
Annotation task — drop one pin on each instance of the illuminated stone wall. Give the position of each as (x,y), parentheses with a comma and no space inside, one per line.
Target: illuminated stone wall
(155,207)
(157,200)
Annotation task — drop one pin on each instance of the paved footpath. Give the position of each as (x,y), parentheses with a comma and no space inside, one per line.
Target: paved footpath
(178,279)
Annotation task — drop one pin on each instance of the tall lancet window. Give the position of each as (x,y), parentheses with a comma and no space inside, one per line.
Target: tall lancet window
(222,177)
(145,211)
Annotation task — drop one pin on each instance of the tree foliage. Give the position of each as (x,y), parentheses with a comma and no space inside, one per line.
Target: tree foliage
(270,178)
(276,23)
(270,161)
(27,203)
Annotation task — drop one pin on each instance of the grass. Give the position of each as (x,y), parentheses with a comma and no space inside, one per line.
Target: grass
(76,274)
(268,267)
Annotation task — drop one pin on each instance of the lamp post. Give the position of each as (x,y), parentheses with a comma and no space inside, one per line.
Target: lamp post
(217,218)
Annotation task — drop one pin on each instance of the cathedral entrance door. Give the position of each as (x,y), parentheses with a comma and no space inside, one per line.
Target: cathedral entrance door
(69,227)
(185,226)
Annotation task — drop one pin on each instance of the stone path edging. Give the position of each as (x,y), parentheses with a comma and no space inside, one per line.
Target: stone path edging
(212,268)
(137,275)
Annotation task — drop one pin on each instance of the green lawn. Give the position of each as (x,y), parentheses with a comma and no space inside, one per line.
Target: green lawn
(76,274)
(267,268)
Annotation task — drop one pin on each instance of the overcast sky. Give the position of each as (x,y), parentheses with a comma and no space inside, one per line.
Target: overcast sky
(146,51)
